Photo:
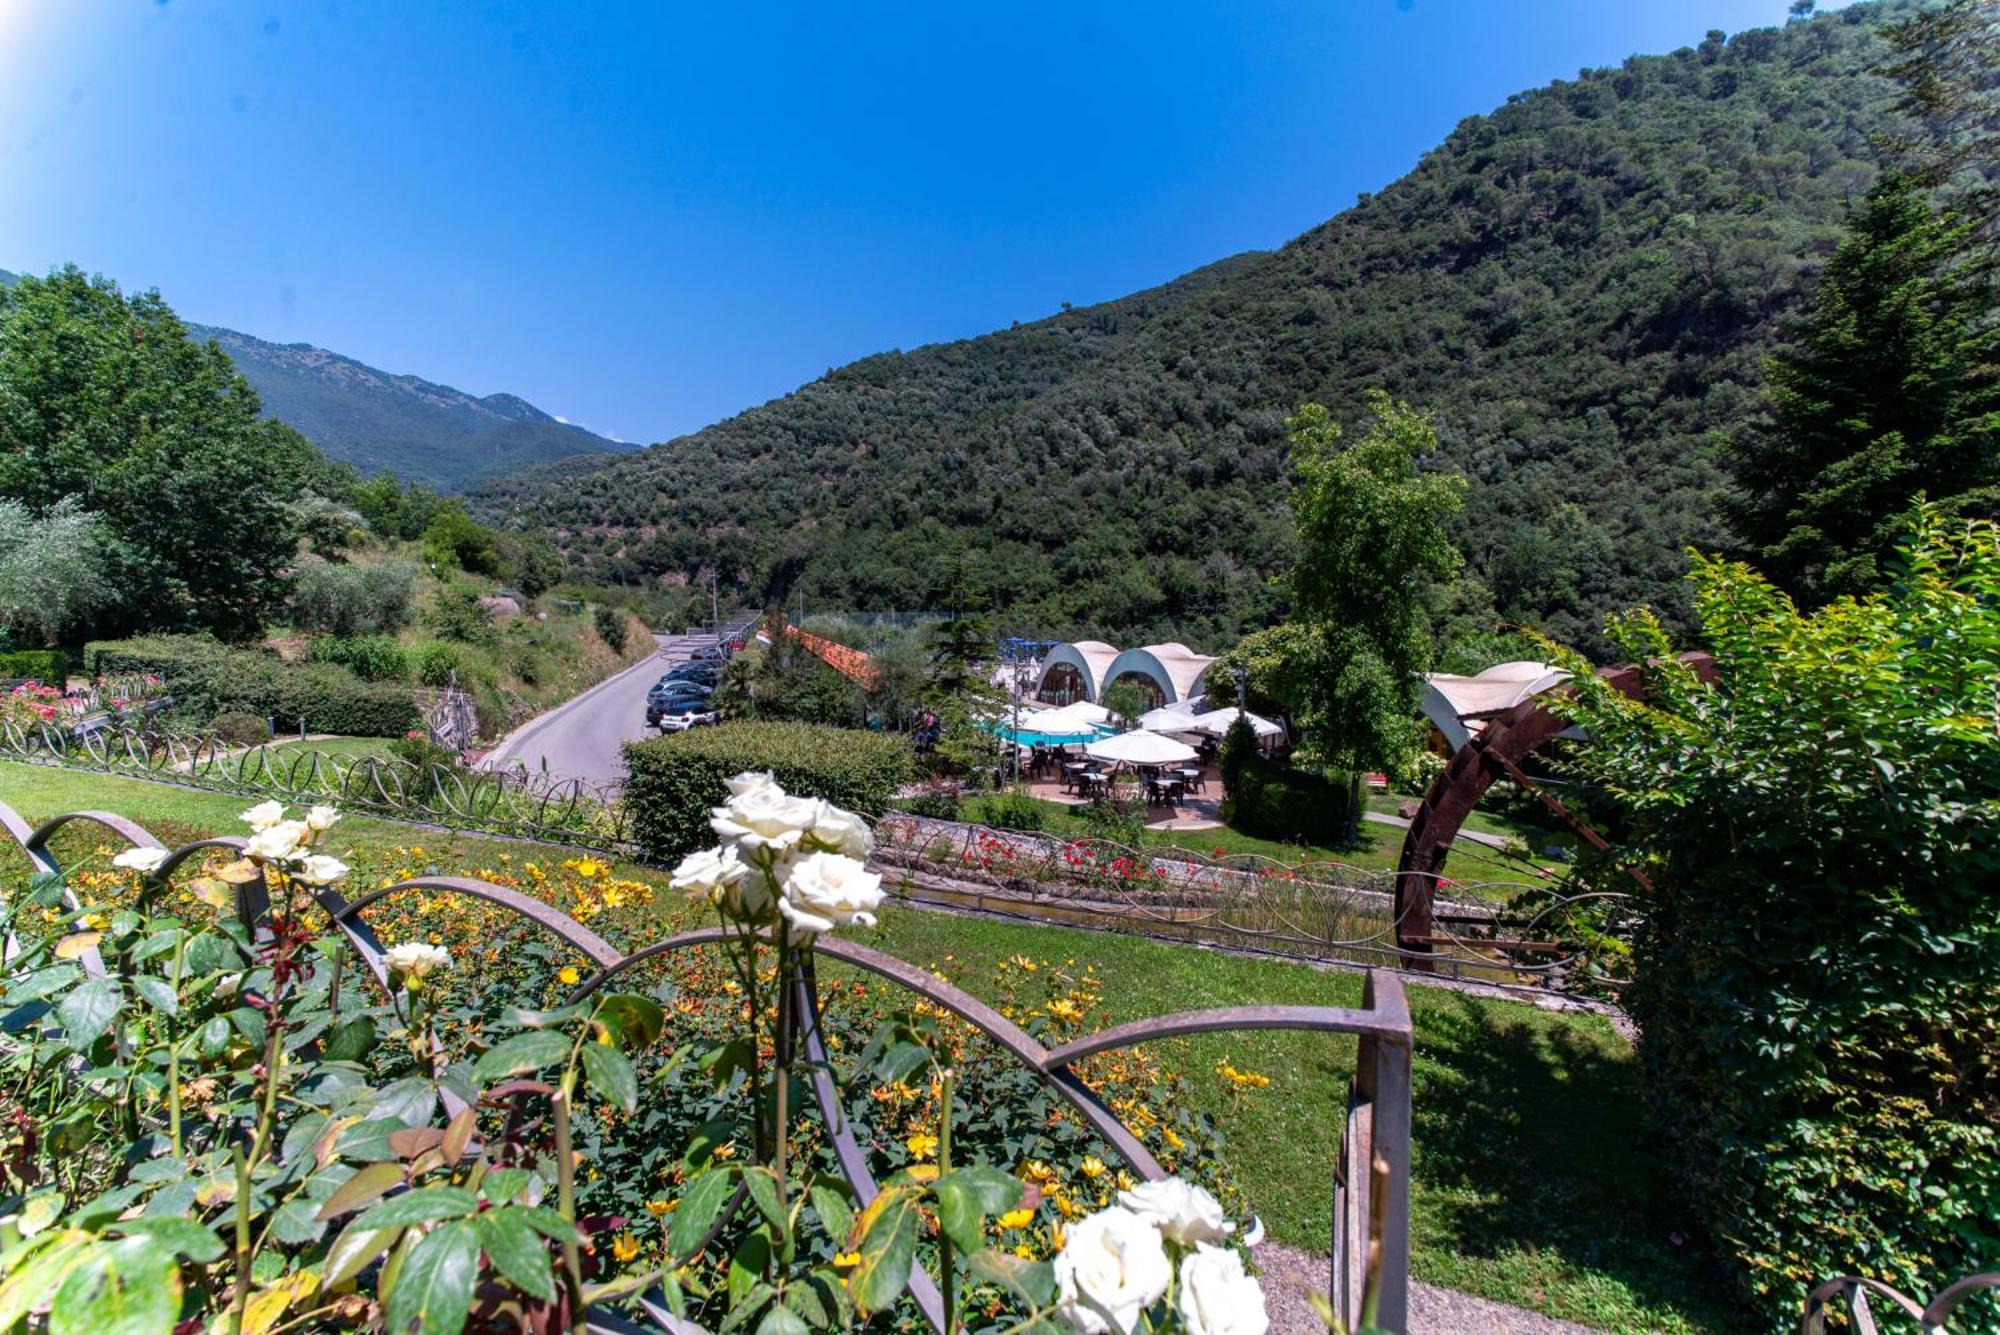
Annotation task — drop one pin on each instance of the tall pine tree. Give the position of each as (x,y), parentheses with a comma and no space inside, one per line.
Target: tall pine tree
(1891,390)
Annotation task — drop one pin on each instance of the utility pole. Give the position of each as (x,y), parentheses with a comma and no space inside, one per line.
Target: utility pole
(714,605)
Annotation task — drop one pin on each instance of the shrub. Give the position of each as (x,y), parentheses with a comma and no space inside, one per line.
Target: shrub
(939,801)
(1817,977)
(434,662)
(351,599)
(459,615)
(48,666)
(240,729)
(1296,806)
(1015,811)
(369,657)
(207,678)
(676,779)
(610,625)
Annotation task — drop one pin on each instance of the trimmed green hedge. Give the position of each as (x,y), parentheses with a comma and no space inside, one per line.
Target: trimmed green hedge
(675,779)
(207,678)
(47,666)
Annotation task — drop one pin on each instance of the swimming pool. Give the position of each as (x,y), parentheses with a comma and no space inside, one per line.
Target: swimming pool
(1030,737)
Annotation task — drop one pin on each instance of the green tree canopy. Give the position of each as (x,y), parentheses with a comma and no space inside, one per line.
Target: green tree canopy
(1373,539)
(105,397)
(1892,390)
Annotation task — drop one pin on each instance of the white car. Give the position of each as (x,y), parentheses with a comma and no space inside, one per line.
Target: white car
(680,720)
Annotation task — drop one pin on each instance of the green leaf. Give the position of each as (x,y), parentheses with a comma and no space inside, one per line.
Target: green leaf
(517,1251)
(522,1018)
(181,1236)
(434,1289)
(503,1186)
(1034,1281)
(725,1060)
(886,1239)
(702,1145)
(157,993)
(611,1075)
(833,1211)
(700,1204)
(901,1061)
(351,1041)
(128,1287)
(37,1269)
(353,1250)
(633,1020)
(410,1101)
(748,1266)
(364,1188)
(89,1010)
(214,1036)
(782,1320)
(249,1023)
(40,983)
(521,1054)
(966,1196)
(763,1184)
(420,1206)
(297,1223)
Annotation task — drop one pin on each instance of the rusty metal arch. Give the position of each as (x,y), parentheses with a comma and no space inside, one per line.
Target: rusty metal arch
(1499,749)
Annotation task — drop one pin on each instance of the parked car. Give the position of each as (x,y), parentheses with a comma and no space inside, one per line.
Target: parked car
(688,716)
(693,672)
(661,702)
(710,653)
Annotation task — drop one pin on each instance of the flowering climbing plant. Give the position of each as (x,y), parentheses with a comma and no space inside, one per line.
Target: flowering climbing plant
(221,1127)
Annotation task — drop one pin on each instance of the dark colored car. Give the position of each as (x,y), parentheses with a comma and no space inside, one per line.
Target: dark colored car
(670,698)
(692,672)
(710,653)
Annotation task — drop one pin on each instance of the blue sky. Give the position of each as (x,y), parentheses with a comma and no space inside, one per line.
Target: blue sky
(647,216)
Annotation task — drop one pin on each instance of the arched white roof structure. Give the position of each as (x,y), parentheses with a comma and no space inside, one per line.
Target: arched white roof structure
(1174,668)
(1459,706)
(1090,658)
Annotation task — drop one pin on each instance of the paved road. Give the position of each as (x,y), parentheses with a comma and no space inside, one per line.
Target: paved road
(580,738)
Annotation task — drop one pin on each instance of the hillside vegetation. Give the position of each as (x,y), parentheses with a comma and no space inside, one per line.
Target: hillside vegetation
(1581,286)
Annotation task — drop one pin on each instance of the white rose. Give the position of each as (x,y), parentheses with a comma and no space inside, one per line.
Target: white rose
(765,818)
(723,879)
(264,815)
(1184,1212)
(416,959)
(319,869)
(749,781)
(826,890)
(321,817)
(1217,1297)
(1112,1267)
(140,859)
(843,832)
(277,843)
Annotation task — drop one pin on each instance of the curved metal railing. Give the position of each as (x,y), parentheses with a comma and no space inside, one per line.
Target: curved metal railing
(515,801)
(1370,1206)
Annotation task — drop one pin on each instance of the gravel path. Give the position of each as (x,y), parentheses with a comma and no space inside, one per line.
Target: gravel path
(1289,1274)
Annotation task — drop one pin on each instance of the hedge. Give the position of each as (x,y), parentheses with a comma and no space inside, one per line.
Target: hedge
(207,678)
(1273,801)
(47,666)
(675,779)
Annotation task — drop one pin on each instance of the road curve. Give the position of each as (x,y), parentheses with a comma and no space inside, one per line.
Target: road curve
(580,738)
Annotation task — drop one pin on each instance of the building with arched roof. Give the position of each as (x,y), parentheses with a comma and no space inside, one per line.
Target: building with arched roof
(1459,706)
(1072,672)
(1165,673)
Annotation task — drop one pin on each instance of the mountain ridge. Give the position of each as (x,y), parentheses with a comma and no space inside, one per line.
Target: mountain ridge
(1580,285)
(384,421)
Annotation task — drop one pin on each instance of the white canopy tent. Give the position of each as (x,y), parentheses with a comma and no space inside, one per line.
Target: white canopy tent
(1140,748)
(1218,722)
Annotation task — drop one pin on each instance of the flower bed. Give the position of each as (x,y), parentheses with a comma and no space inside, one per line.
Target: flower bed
(246,1129)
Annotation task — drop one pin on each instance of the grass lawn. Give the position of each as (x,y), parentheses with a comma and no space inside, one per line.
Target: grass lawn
(342,748)
(1533,1179)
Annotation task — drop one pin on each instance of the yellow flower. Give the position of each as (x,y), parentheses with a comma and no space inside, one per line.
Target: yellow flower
(1062,1008)
(922,1145)
(846,1260)
(726,1151)
(1017,1219)
(1173,1140)
(569,976)
(624,1247)
(659,1209)
(1092,1166)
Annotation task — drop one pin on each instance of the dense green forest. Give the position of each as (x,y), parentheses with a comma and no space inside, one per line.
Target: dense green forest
(1582,287)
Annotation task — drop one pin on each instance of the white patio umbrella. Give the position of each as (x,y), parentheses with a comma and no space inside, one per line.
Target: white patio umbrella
(1071,718)
(1141,748)
(1172,718)
(1218,722)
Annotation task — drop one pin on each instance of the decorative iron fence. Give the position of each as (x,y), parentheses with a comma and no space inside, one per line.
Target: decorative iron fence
(1370,1191)
(511,802)
(1506,933)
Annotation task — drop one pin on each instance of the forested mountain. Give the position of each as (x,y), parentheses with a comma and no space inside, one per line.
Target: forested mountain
(380,422)
(1581,286)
